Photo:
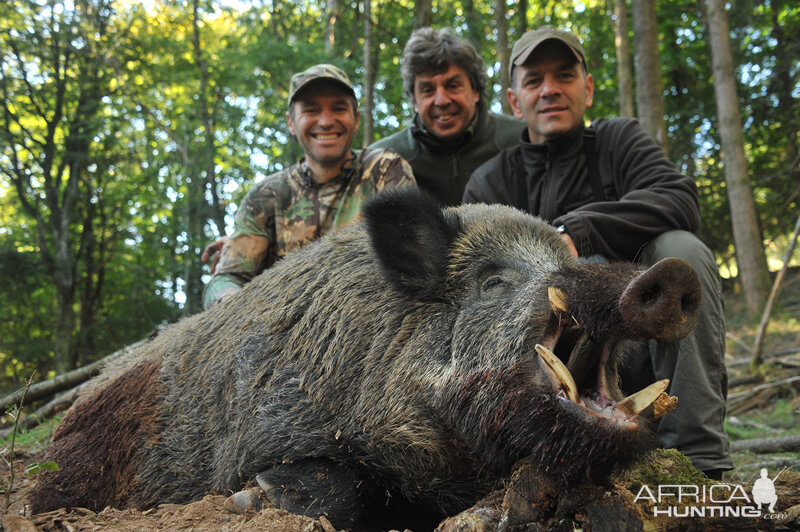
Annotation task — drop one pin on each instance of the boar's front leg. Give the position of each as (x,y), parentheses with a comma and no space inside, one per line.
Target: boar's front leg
(318,486)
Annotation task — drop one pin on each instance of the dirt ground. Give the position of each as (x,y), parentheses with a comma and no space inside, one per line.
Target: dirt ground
(208,514)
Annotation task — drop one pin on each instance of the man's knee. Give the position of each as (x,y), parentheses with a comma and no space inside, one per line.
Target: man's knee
(680,244)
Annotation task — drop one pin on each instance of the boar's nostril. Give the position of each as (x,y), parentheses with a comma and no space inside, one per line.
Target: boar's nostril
(688,303)
(663,301)
(651,295)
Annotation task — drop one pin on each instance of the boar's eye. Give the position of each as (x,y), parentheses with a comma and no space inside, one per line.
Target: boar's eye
(493,283)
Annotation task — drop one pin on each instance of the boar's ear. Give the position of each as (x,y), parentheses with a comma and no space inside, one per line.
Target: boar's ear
(411,239)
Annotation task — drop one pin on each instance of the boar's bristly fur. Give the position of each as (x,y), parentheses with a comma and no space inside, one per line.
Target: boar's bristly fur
(394,356)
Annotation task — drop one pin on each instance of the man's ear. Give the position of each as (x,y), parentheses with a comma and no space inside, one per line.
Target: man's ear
(411,240)
(290,121)
(589,90)
(514,103)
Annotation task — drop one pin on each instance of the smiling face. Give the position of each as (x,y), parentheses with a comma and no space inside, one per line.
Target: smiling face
(551,92)
(445,102)
(324,119)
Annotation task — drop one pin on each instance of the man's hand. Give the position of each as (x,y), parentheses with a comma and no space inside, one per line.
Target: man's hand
(213,252)
(570,243)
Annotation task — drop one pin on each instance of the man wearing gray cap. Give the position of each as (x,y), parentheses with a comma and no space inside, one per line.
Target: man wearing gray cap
(323,191)
(610,191)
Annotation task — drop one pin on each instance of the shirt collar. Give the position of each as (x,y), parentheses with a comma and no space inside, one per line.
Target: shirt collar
(307,176)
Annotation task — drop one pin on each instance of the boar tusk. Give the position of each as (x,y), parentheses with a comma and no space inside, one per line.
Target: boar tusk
(558,299)
(560,372)
(634,404)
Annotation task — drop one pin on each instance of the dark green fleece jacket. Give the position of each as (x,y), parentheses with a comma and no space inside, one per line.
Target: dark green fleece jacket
(443,169)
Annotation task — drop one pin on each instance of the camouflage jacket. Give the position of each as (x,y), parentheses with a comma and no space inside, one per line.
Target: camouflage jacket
(287,210)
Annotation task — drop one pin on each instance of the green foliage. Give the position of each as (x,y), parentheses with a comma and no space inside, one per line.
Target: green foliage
(183,123)
(779,420)
(34,439)
(35,469)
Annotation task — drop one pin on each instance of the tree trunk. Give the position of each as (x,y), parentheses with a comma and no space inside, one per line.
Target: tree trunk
(750,257)
(423,13)
(201,175)
(624,68)
(785,62)
(502,53)
(332,9)
(195,241)
(369,76)
(649,87)
(471,20)
(206,105)
(91,290)
(522,20)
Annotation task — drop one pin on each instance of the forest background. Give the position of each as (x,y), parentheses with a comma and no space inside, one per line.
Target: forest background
(130,131)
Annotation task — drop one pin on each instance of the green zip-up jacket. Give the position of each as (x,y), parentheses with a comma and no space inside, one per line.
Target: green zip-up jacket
(443,169)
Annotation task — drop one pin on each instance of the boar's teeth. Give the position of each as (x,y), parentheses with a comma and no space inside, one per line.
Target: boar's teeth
(634,404)
(558,299)
(560,372)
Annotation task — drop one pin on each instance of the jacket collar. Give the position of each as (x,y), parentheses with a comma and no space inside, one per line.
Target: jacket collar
(565,145)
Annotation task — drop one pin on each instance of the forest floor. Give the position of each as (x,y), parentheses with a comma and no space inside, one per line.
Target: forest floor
(755,411)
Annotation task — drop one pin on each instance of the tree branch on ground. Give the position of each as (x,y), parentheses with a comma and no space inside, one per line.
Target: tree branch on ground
(62,382)
(768,445)
(773,296)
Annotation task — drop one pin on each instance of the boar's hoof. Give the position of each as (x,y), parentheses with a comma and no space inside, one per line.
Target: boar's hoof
(663,301)
(245,502)
(317,487)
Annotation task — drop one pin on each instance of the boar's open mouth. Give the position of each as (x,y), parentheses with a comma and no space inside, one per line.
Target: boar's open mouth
(583,380)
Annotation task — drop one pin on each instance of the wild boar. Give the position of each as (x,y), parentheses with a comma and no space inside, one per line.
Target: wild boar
(418,353)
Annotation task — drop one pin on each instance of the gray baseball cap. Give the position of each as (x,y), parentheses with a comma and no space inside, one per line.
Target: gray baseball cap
(526,44)
(318,72)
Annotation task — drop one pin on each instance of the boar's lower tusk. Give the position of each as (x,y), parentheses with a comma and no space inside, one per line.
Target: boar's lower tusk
(560,372)
(634,404)
(558,299)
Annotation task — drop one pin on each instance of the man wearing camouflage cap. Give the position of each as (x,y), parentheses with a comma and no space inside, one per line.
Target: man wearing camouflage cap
(610,190)
(321,192)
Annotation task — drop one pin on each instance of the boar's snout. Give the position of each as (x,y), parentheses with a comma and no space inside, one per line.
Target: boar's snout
(663,301)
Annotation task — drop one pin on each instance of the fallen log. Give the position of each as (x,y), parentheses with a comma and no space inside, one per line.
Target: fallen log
(65,381)
(768,445)
(773,296)
(58,404)
(756,389)
(744,379)
(777,354)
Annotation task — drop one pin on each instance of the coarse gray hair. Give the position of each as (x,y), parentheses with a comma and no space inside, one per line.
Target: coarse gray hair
(431,51)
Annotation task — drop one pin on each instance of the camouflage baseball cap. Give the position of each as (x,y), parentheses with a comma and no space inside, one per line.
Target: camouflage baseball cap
(526,44)
(317,72)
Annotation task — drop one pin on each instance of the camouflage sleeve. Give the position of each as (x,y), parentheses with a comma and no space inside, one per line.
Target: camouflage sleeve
(219,286)
(245,253)
(392,171)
